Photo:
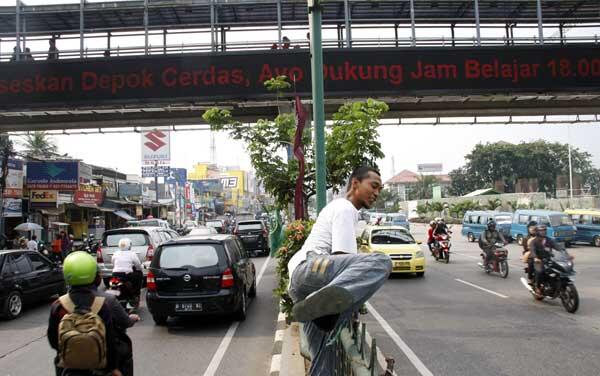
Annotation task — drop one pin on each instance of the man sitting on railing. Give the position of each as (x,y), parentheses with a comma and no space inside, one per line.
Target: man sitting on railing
(329,280)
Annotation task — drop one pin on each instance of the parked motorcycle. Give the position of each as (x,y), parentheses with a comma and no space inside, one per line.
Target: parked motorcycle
(441,247)
(124,292)
(557,281)
(498,264)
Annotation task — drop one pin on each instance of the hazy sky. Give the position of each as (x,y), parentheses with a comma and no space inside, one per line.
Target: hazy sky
(408,144)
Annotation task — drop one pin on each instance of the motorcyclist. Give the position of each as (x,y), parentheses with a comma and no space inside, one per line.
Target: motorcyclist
(82,275)
(541,250)
(527,257)
(430,230)
(127,266)
(441,228)
(487,242)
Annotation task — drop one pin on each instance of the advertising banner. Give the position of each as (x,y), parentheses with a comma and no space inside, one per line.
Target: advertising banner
(89,195)
(54,175)
(357,72)
(85,173)
(150,171)
(130,190)
(43,198)
(14,179)
(156,147)
(13,208)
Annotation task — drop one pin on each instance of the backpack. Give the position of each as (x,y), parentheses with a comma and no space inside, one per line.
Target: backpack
(82,336)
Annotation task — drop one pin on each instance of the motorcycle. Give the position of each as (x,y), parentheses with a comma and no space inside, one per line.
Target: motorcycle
(498,264)
(441,247)
(124,292)
(557,281)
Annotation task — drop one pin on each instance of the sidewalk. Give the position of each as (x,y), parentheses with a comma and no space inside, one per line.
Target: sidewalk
(289,362)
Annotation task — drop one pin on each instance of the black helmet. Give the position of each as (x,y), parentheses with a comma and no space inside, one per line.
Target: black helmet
(532,224)
(541,228)
(491,224)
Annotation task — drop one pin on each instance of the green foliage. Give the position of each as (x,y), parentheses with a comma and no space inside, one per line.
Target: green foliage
(39,145)
(459,209)
(424,187)
(513,204)
(352,142)
(277,84)
(493,204)
(295,236)
(422,209)
(386,195)
(541,206)
(6,152)
(539,160)
(436,207)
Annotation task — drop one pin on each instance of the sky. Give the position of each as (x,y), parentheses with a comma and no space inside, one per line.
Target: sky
(409,145)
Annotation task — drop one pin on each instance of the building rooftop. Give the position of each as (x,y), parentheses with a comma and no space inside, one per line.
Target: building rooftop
(409,177)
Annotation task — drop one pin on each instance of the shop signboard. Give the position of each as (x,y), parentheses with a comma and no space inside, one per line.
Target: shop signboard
(53,175)
(89,195)
(85,173)
(14,179)
(43,198)
(13,208)
(130,190)
(156,147)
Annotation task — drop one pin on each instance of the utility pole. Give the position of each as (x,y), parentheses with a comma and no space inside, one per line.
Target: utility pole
(316,64)
(156,188)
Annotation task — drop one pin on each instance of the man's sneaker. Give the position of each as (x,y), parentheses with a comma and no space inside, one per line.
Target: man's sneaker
(330,300)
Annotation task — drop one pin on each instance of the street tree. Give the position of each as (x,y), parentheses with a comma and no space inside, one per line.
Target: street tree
(386,196)
(539,160)
(424,188)
(350,142)
(39,145)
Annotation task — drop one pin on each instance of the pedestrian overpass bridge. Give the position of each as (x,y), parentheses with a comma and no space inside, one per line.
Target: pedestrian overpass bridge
(173,84)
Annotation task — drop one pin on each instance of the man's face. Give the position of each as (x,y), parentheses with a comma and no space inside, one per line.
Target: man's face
(367,190)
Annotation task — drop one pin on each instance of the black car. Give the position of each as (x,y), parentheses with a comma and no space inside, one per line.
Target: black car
(200,275)
(254,235)
(27,277)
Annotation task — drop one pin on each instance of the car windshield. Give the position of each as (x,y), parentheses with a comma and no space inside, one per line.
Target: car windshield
(391,237)
(250,226)
(137,239)
(560,220)
(503,219)
(214,223)
(202,231)
(399,219)
(188,256)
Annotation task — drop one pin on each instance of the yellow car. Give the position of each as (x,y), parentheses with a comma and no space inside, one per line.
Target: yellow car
(396,242)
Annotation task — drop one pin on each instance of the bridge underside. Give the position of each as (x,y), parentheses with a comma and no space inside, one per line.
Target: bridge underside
(400,107)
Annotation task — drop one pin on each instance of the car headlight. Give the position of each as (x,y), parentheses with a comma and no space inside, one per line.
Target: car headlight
(419,254)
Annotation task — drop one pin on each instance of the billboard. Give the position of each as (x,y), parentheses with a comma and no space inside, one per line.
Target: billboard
(208,185)
(424,168)
(160,171)
(14,179)
(156,147)
(85,173)
(347,72)
(13,208)
(53,175)
(130,190)
(43,198)
(179,175)
(89,195)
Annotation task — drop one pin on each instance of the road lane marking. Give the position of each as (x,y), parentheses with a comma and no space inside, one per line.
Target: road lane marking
(481,288)
(414,359)
(226,341)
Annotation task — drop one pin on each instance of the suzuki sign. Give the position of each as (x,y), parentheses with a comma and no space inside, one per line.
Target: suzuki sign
(156,147)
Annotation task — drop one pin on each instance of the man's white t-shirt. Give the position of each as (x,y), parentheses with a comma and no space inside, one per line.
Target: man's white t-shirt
(124,261)
(332,232)
(32,245)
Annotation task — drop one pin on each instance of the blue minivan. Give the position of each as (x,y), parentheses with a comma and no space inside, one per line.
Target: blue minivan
(560,225)
(475,223)
(588,225)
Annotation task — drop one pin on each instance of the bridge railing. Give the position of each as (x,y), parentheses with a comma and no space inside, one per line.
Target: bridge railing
(185,48)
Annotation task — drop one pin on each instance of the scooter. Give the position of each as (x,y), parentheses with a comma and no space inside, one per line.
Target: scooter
(441,247)
(125,294)
(557,281)
(498,264)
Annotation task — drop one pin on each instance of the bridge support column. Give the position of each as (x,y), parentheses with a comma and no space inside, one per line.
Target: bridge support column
(279,27)
(146,27)
(540,22)
(477,23)
(81,25)
(347,19)
(316,62)
(18,31)
(413,41)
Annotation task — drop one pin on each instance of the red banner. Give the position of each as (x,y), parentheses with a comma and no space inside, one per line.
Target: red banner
(89,195)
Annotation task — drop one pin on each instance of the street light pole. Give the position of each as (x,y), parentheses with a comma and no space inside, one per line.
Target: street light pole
(316,52)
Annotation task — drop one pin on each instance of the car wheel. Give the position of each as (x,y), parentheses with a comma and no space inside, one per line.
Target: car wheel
(597,241)
(519,239)
(13,305)
(252,292)
(420,274)
(470,237)
(240,314)
(160,320)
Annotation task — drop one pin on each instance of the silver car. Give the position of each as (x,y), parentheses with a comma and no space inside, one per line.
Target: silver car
(144,241)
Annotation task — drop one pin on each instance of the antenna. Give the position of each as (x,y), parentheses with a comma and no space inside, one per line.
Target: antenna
(393,166)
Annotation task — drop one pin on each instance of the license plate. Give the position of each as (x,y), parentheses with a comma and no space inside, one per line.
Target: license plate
(188,307)
(401,264)
(113,292)
(249,237)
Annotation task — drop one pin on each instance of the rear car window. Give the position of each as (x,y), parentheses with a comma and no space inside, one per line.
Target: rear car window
(214,223)
(250,226)
(560,220)
(137,239)
(189,256)
(391,237)
(501,219)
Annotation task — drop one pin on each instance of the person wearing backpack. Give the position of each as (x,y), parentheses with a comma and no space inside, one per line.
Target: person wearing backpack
(83,325)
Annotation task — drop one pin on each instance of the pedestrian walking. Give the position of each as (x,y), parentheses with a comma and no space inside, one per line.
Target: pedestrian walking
(329,279)
(64,244)
(57,248)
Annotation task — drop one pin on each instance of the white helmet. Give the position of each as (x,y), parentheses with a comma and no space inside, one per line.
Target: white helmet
(437,219)
(125,244)
(432,223)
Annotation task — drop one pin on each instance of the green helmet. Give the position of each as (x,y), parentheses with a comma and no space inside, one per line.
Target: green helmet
(79,269)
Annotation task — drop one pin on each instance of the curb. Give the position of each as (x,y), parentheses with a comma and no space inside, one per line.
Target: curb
(278,345)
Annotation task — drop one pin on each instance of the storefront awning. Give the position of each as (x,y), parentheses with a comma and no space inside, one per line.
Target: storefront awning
(124,215)
(52,211)
(96,207)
